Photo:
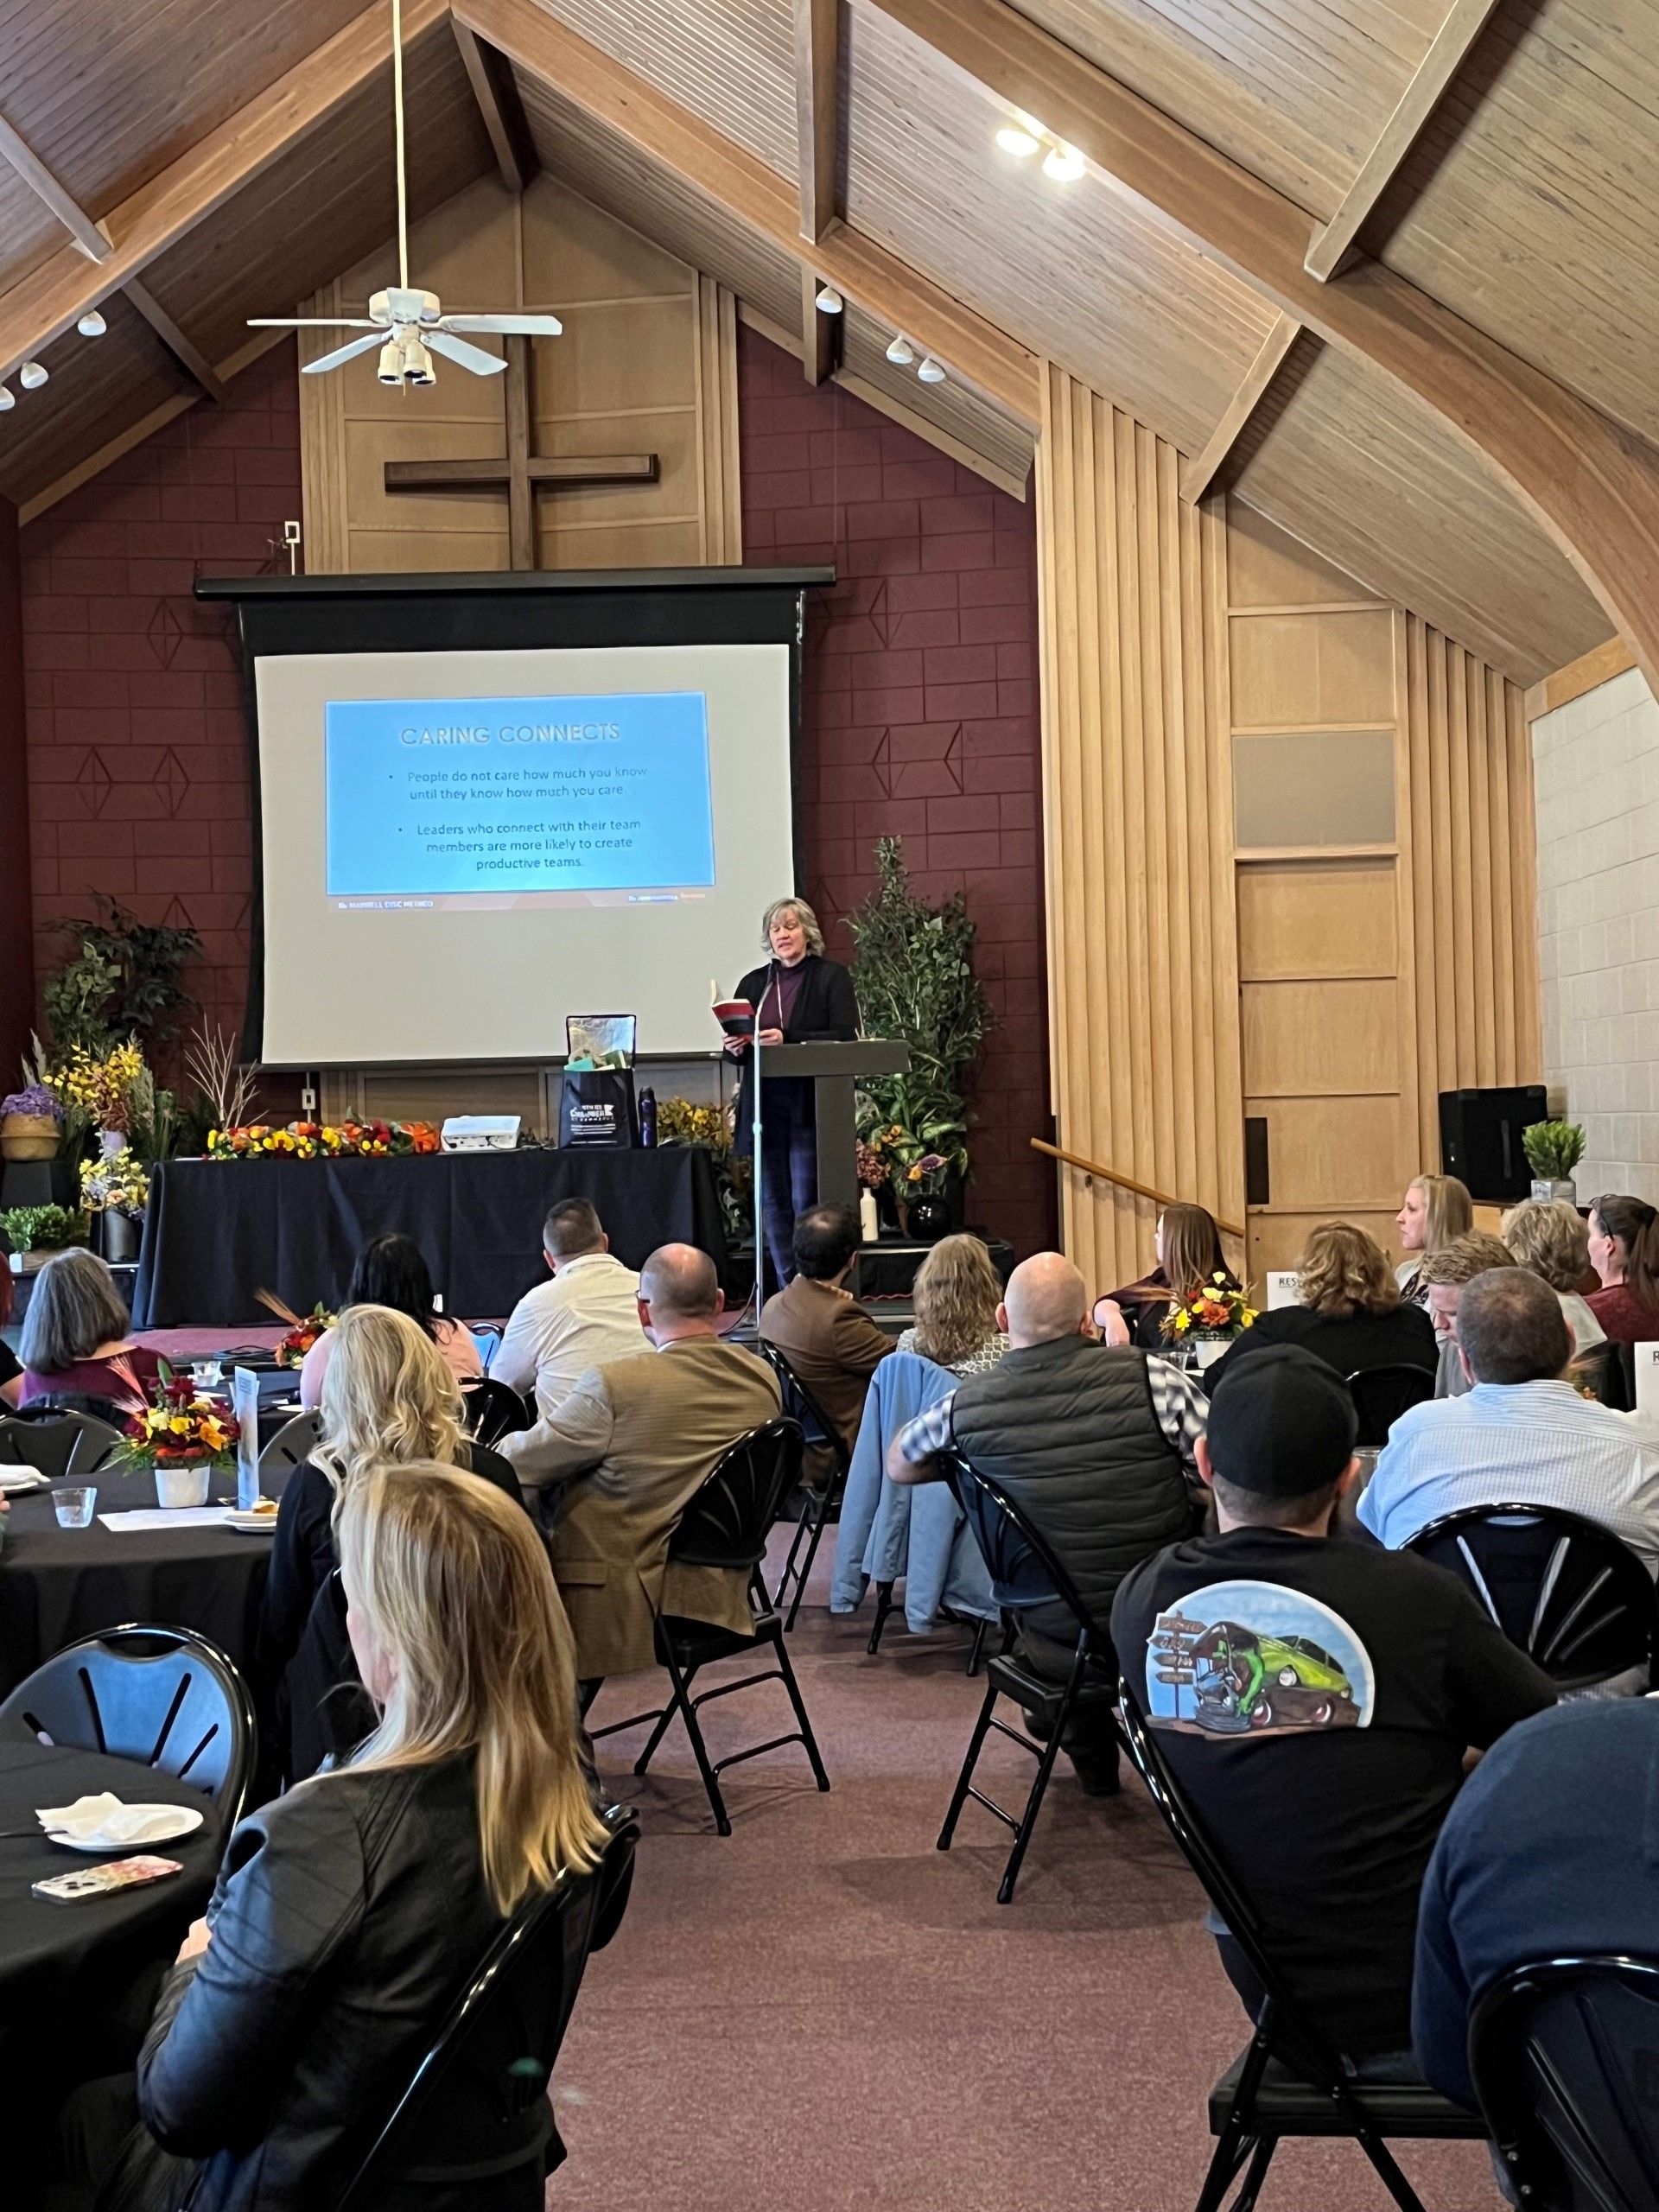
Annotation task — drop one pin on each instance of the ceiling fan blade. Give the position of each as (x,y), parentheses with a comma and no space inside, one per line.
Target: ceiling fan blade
(517,326)
(470,357)
(344,353)
(311,322)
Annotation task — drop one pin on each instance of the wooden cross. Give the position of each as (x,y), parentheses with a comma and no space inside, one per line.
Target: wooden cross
(521,472)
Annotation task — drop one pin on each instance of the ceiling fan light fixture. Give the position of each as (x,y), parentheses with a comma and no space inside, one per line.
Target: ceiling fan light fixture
(31,375)
(1020,144)
(390,369)
(417,364)
(92,324)
(1063,164)
(931,371)
(829,301)
(901,353)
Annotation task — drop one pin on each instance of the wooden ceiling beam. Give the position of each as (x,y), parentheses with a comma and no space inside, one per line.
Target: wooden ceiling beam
(496,91)
(817,112)
(1591,485)
(50,299)
(1197,476)
(92,241)
(1451,47)
(820,333)
(189,357)
(885,286)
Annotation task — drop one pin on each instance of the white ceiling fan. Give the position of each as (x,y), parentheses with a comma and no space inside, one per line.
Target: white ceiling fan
(408,325)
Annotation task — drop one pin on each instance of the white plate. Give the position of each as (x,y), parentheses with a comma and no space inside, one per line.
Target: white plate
(182,1821)
(251,1524)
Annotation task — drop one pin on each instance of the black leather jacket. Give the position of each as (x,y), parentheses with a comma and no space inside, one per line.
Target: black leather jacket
(348,1917)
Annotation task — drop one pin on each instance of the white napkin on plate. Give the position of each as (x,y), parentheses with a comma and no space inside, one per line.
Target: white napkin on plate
(106,1818)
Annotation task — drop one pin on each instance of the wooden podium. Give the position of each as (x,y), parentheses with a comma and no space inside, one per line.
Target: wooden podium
(836,1071)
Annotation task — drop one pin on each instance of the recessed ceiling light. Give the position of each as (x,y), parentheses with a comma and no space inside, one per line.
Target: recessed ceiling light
(1019,144)
(92,324)
(1063,164)
(8,399)
(829,301)
(31,375)
(929,371)
(901,353)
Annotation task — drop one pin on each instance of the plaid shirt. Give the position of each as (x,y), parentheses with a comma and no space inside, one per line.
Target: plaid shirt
(1182,1412)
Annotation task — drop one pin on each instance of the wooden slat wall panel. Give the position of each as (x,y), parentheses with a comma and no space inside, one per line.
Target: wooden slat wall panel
(1471,891)
(1143,953)
(718,425)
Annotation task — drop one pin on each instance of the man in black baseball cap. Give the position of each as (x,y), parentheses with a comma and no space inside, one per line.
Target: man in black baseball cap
(1315,1696)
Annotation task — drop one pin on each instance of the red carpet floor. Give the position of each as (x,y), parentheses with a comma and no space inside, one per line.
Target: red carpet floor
(823,2011)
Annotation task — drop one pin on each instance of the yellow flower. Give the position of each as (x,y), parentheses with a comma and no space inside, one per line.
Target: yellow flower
(179,1424)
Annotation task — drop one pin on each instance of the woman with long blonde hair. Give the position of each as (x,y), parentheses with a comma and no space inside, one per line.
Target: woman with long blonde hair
(957,1295)
(1351,1315)
(388,1395)
(352,1911)
(1438,1209)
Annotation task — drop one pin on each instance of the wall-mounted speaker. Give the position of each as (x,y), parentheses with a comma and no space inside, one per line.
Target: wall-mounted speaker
(1480,1138)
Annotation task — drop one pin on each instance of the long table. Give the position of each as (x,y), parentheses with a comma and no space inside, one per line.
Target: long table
(217,1231)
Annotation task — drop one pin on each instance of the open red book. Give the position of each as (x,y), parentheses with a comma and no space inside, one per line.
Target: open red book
(735,1017)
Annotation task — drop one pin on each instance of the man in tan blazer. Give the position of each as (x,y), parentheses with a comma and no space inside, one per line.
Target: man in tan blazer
(827,1337)
(630,1447)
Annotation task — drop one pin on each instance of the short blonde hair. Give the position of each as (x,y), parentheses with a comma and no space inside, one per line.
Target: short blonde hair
(1342,1271)
(1547,1236)
(387,1394)
(455,1583)
(956,1293)
(1464,1258)
(1448,1209)
(802,913)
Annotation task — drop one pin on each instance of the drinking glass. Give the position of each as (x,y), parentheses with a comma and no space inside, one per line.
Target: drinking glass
(206,1373)
(74,1508)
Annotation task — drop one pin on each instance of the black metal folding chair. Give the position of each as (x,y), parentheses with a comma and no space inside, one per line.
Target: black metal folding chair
(726,1525)
(57,1442)
(801,1407)
(1381,1394)
(290,1447)
(1265,2094)
(1573,1595)
(166,1696)
(477,2109)
(1565,2054)
(494,1409)
(1024,1572)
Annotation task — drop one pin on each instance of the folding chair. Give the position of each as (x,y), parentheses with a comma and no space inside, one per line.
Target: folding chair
(801,1407)
(476,2110)
(1024,1572)
(1265,2094)
(726,1525)
(1381,1394)
(56,1443)
(492,1409)
(1564,2053)
(290,1447)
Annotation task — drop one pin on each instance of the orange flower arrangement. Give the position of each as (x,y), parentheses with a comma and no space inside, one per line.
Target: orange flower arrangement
(323,1140)
(177,1427)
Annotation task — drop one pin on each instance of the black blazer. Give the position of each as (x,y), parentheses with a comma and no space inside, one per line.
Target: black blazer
(826,1012)
(1403,1337)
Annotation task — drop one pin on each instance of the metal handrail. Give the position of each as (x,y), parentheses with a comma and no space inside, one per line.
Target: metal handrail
(1123,1182)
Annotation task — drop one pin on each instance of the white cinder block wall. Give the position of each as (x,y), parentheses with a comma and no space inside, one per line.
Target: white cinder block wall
(1596,774)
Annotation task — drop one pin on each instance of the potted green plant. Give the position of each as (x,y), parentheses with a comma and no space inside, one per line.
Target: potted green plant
(1553,1149)
(32,1232)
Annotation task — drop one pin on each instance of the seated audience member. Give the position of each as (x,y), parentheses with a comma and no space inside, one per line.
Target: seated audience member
(75,1325)
(391,1271)
(387,1398)
(624,1455)
(828,1338)
(1187,1244)
(1328,1694)
(1351,1314)
(1550,1852)
(1624,1248)
(1438,1208)
(1522,1435)
(350,1913)
(956,1296)
(1442,1278)
(1549,1238)
(11,1371)
(1092,1442)
(588,1312)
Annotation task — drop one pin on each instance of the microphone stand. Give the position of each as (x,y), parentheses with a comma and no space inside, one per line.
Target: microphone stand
(759,1200)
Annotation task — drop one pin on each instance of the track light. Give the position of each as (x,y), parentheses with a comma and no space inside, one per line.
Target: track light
(901,353)
(1063,164)
(1019,144)
(929,371)
(31,375)
(8,397)
(92,324)
(829,301)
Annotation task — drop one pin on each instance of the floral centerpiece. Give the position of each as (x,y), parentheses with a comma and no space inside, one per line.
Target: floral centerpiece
(107,1088)
(919,1164)
(323,1140)
(175,1434)
(303,1330)
(117,1183)
(31,1122)
(1217,1311)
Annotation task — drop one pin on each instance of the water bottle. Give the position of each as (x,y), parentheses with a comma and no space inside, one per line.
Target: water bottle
(648,1119)
(869,1220)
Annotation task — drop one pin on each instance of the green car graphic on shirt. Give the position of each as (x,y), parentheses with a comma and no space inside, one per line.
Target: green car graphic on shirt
(1245,1681)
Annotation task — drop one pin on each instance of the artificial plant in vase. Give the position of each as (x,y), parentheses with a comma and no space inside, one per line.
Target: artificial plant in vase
(916,982)
(1553,1149)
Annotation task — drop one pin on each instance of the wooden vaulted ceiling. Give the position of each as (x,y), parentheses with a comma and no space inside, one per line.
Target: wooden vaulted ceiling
(1389,268)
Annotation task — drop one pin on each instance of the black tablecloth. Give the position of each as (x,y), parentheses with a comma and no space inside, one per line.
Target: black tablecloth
(54,1957)
(219,1231)
(58,1584)
(888,1269)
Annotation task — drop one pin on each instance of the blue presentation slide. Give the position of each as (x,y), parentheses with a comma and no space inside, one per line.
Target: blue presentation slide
(428,797)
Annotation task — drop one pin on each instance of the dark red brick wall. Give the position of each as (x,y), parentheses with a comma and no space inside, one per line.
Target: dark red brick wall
(16,914)
(920,715)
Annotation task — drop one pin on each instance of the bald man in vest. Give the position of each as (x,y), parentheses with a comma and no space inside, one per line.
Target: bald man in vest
(1092,1443)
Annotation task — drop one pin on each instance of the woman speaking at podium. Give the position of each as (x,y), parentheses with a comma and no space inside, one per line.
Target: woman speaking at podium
(799,997)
